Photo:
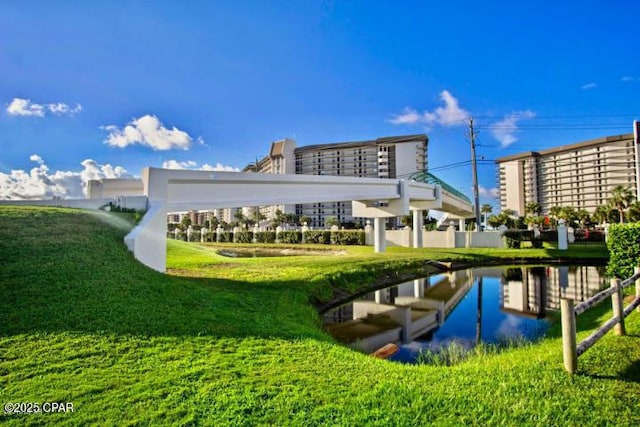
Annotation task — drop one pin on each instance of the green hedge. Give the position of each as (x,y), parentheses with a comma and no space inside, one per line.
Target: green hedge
(512,242)
(322,237)
(624,248)
(225,236)
(195,236)
(520,235)
(536,242)
(347,237)
(265,236)
(243,237)
(290,236)
(325,237)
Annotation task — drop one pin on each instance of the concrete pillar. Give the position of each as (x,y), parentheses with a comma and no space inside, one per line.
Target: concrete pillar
(461,224)
(379,239)
(368,234)
(562,236)
(563,279)
(378,297)
(417,229)
(451,236)
(418,288)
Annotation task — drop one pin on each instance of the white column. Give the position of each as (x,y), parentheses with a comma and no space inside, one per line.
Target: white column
(379,239)
(378,296)
(562,236)
(417,228)
(461,224)
(418,288)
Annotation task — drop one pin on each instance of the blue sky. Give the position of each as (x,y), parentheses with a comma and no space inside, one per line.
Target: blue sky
(93,89)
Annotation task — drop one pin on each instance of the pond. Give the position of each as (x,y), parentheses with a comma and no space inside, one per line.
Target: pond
(275,252)
(490,305)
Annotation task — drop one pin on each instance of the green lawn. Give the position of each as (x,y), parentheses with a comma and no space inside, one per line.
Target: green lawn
(223,341)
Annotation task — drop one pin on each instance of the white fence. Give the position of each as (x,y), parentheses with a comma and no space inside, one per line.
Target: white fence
(447,239)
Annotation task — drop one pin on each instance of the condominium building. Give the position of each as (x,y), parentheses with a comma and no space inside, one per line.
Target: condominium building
(580,175)
(280,160)
(388,157)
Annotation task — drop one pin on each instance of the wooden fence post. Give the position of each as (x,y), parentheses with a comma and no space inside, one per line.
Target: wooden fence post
(637,271)
(568,317)
(618,307)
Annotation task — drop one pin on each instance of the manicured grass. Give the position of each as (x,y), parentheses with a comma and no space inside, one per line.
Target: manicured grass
(224,341)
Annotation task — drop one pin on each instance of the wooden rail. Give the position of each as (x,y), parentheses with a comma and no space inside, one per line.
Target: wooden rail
(571,350)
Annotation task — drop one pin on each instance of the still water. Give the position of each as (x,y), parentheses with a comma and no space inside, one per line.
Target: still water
(490,305)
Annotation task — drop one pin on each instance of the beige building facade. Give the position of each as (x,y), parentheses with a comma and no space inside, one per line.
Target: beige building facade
(580,175)
(387,157)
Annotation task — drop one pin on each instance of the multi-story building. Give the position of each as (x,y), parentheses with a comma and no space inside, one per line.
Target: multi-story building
(201,217)
(280,160)
(388,157)
(580,175)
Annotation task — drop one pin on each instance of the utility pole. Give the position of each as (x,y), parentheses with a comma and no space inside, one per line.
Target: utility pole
(474,168)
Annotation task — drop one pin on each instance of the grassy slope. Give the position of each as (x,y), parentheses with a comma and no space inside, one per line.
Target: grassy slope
(81,321)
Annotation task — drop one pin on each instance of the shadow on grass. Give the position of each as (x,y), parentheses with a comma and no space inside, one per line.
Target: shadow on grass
(66,270)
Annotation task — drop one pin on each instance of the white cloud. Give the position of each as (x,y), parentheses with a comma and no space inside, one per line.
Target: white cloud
(504,130)
(174,164)
(190,164)
(408,116)
(628,79)
(451,114)
(37,159)
(492,193)
(589,86)
(40,183)
(149,131)
(24,107)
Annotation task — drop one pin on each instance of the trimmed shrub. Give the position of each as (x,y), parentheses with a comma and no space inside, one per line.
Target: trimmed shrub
(322,237)
(536,243)
(266,236)
(347,238)
(519,235)
(549,236)
(290,236)
(210,236)
(512,242)
(225,236)
(624,249)
(243,237)
(195,236)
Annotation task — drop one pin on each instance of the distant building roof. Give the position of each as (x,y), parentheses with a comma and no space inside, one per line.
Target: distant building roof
(383,140)
(564,148)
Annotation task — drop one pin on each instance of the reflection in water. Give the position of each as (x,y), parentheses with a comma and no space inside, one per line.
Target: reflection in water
(491,305)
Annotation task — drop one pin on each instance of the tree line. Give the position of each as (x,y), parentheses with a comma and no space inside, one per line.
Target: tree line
(622,206)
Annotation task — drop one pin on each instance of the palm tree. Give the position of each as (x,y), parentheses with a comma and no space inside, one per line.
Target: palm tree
(554,212)
(601,214)
(633,212)
(532,208)
(583,217)
(486,209)
(494,221)
(568,214)
(621,198)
